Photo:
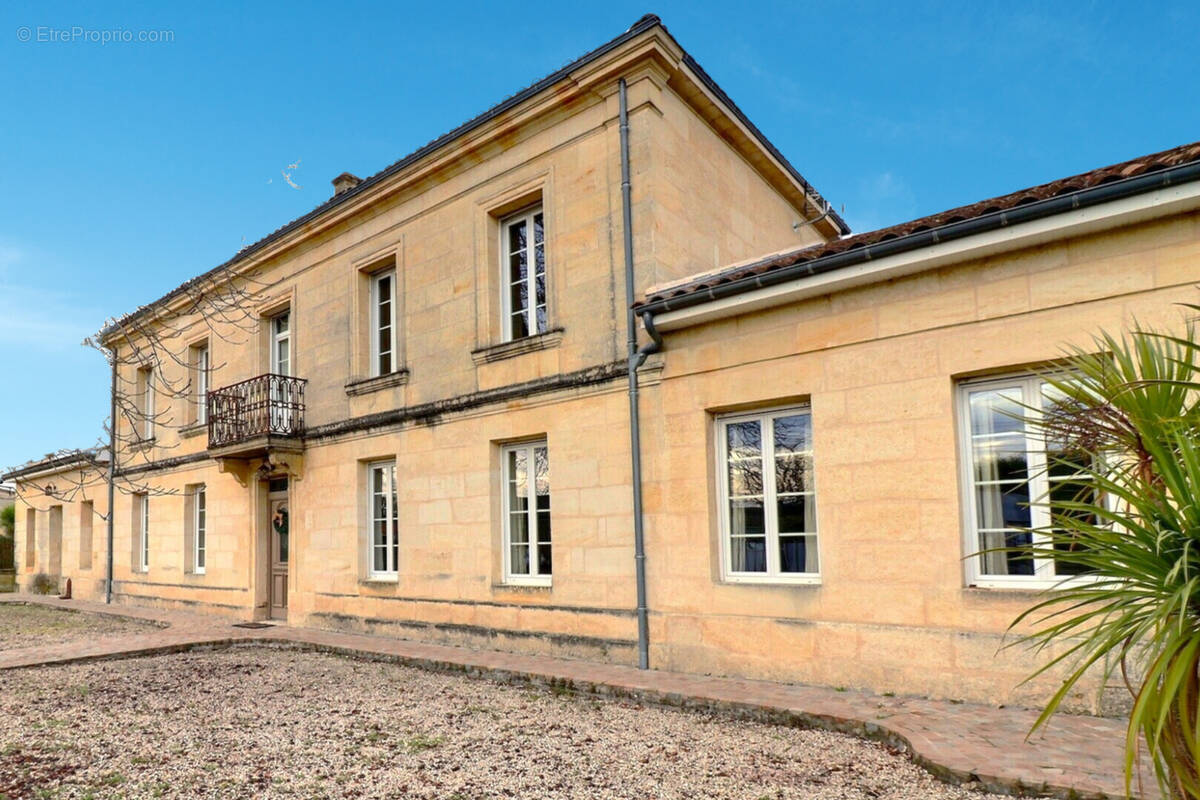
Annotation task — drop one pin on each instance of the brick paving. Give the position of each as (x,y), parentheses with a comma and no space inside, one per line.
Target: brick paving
(1076,756)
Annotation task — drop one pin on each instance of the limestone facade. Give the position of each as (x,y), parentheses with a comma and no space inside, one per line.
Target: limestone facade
(877,366)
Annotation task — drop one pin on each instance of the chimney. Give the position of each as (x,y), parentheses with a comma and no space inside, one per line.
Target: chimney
(344,183)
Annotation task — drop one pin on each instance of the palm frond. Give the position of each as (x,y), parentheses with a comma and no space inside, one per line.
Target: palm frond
(1124,424)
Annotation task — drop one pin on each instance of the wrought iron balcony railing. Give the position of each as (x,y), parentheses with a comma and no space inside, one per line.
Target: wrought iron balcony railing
(269,405)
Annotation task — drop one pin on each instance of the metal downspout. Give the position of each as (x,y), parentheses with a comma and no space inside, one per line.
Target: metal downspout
(635,360)
(112,474)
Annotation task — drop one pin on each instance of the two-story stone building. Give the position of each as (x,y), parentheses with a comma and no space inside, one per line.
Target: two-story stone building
(428,431)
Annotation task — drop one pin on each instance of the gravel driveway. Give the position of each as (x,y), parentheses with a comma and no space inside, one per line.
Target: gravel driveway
(34,626)
(258,722)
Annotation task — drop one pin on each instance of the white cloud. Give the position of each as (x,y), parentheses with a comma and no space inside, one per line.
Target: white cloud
(35,317)
(882,199)
(31,317)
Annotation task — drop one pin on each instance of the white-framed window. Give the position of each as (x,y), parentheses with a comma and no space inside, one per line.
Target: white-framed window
(143,507)
(1011,478)
(527,548)
(200,367)
(281,344)
(383,323)
(281,392)
(523,247)
(199,529)
(146,389)
(768,512)
(384,552)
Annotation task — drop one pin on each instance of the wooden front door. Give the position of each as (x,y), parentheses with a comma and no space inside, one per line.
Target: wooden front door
(278,525)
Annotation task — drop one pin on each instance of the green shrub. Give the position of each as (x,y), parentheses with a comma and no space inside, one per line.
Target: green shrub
(42,584)
(8,521)
(7,550)
(1126,413)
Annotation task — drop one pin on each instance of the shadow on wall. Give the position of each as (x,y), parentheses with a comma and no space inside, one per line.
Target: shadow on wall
(8,565)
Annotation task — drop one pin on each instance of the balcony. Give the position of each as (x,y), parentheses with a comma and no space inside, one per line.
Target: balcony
(257,416)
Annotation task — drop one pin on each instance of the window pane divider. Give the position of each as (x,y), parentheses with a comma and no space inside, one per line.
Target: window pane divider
(508,281)
(770,497)
(1038,481)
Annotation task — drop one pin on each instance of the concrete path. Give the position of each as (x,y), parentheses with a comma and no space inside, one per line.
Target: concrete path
(1076,756)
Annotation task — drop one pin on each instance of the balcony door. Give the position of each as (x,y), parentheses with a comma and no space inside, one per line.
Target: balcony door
(281,368)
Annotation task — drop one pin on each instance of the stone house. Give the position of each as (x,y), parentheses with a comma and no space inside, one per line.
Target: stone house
(60,510)
(428,432)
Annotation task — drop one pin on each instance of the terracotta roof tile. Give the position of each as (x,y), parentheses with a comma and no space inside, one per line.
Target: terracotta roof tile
(1174,157)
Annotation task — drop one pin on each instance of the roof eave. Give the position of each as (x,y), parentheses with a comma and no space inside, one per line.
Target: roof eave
(382,183)
(1041,209)
(61,463)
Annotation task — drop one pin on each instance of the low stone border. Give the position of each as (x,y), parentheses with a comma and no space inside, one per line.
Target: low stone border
(115,612)
(753,712)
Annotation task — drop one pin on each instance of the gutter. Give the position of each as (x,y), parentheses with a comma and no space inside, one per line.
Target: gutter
(995,221)
(52,466)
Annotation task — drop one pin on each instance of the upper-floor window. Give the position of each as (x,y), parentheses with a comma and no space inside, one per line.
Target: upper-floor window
(141,504)
(200,372)
(145,389)
(768,497)
(527,546)
(281,344)
(524,269)
(282,399)
(384,552)
(383,323)
(1014,480)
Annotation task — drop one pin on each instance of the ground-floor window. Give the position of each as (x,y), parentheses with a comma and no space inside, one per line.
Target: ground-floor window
(142,504)
(199,528)
(1014,481)
(30,538)
(86,514)
(385,519)
(527,548)
(768,496)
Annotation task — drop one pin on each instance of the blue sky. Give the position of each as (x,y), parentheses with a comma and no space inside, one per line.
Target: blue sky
(127,168)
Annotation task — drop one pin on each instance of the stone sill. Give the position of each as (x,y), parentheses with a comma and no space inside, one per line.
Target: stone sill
(528,344)
(194,429)
(1004,592)
(540,587)
(378,581)
(788,584)
(369,385)
(1032,587)
(144,444)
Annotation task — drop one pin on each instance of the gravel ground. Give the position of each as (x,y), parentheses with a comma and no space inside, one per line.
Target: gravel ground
(258,722)
(34,626)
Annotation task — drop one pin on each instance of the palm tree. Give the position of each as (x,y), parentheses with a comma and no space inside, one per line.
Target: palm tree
(1123,418)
